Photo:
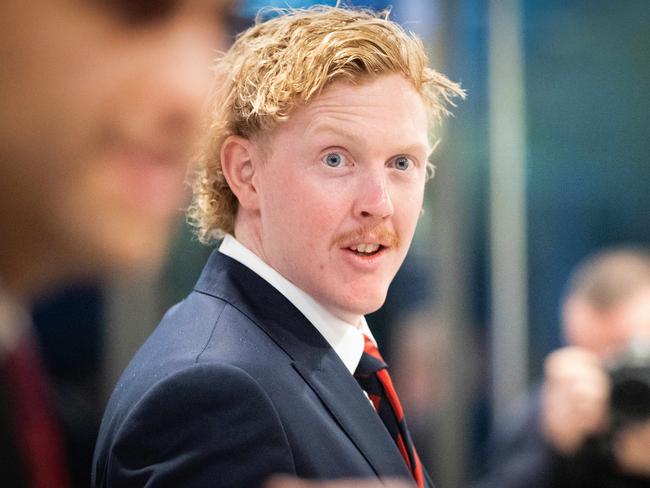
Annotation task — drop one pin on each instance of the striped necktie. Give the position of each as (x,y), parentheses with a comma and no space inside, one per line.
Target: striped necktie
(372,375)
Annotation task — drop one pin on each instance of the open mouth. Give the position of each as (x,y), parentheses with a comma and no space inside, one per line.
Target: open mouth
(366,249)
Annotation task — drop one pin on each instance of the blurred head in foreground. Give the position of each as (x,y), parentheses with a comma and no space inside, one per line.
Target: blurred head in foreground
(100,106)
(608,302)
(317,150)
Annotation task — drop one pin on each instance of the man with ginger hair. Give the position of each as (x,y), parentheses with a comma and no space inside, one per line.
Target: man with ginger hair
(313,172)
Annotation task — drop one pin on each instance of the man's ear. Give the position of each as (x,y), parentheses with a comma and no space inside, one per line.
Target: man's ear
(238,163)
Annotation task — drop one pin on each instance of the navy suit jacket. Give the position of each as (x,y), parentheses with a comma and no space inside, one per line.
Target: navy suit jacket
(234,385)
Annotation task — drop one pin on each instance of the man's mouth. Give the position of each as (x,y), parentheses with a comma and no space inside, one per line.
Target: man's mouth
(366,249)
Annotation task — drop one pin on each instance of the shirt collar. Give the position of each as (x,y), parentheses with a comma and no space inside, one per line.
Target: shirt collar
(345,338)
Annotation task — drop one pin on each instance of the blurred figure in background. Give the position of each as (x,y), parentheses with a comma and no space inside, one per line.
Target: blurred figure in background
(584,427)
(101,104)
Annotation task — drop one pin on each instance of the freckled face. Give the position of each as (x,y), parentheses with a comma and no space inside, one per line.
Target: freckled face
(341,192)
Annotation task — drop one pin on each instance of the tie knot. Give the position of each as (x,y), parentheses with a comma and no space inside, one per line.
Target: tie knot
(371,360)
(369,347)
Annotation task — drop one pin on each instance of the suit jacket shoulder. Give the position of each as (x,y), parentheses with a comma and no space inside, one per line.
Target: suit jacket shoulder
(234,385)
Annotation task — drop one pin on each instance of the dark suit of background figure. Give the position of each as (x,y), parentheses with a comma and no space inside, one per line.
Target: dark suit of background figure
(12,470)
(235,385)
(522,458)
(31,444)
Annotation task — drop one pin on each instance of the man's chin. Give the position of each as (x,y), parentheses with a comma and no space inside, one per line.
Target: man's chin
(351,309)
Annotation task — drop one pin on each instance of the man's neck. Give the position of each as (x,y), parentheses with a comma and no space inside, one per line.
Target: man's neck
(351,319)
(343,333)
(248,231)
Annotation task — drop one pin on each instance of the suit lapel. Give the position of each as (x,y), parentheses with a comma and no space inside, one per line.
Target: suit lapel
(314,359)
(346,402)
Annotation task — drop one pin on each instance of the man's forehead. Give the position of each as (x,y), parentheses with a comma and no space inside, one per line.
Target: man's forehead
(345,104)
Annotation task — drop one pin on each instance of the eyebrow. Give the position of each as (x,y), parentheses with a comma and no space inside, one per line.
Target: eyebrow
(406,148)
(318,128)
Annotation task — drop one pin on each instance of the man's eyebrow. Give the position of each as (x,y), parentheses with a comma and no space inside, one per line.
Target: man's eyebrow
(328,127)
(404,148)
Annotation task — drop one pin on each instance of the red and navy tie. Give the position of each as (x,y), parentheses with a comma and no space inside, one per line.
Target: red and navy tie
(372,375)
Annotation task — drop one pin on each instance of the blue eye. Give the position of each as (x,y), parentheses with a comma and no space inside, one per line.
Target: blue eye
(333,160)
(402,163)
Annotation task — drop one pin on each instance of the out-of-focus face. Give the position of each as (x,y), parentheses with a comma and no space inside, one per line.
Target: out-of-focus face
(100,105)
(608,332)
(341,190)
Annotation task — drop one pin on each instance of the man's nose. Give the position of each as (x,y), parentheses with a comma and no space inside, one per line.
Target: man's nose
(374,199)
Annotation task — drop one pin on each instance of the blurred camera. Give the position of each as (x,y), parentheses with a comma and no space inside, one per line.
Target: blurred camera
(629,405)
(630,393)
(629,402)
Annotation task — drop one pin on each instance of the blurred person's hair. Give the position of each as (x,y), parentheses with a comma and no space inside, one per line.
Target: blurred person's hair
(284,62)
(609,277)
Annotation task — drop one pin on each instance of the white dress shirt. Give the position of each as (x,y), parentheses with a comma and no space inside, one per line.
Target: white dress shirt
(346,339)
